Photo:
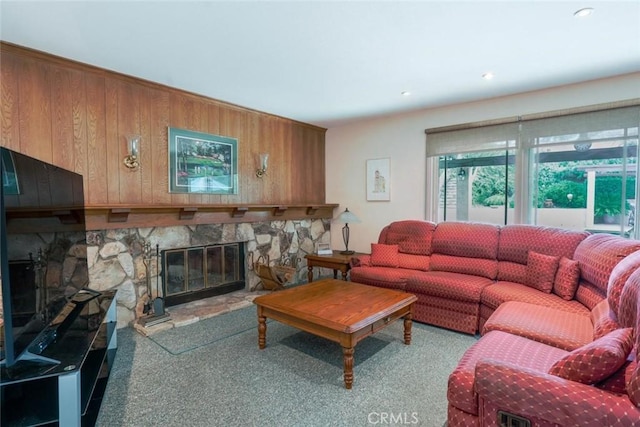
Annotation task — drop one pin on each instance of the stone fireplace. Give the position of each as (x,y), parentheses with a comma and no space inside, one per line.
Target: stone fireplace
(202,271)
(115,257)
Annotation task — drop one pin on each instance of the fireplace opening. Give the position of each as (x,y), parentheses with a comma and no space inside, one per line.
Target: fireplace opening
(199,272)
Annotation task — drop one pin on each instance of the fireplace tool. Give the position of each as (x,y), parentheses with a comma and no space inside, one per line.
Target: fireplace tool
(154,307)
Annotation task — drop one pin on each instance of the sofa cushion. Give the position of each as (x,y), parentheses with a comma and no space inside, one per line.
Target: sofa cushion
(474,266)
(633,386)
(597,360)
(603,320)
(516,240)
(512,272)
(501,346)
(413,262)
(454,286)
(630,302)
(466,239)
(385,277)
(499,292)
(599,253)
(541,271)
(618,279)
(557,328)
(411,236)
(617,383)
(384,255)
(567,277)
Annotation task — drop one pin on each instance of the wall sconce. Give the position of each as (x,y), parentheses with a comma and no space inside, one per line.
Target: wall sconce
(462,174)
(262,170)
(131,160)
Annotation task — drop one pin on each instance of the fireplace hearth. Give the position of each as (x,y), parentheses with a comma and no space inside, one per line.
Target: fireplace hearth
(199,272)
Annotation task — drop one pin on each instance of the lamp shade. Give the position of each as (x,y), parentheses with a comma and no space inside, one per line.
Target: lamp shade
(347,217)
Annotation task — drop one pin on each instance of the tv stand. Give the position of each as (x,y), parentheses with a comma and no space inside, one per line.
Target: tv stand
(37,392)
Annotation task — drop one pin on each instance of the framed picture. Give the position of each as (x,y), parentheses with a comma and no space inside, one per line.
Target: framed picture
(378,180)
(323,249)
(202,163)
(10,183)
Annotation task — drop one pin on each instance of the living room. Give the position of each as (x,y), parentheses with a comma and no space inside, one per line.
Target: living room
(314,171)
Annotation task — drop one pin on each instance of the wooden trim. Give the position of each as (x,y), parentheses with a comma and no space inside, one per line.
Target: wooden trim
(109,217)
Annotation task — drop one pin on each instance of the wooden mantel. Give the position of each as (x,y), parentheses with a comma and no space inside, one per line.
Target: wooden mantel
(130,216)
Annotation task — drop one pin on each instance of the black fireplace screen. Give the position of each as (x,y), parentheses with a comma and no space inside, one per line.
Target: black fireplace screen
(203,271)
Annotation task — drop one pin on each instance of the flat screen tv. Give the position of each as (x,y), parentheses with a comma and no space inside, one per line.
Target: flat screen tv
(42,249)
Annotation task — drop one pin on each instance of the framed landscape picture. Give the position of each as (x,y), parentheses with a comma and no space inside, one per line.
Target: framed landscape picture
(378,180)
(202,163)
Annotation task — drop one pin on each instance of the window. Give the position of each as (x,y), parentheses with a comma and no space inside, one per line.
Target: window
(571,170)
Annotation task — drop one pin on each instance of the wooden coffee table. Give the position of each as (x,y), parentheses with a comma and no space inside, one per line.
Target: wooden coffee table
(344,312)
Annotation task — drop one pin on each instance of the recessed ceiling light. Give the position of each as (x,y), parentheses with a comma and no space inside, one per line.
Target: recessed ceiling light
(488,76)
(405,93)
(581,13)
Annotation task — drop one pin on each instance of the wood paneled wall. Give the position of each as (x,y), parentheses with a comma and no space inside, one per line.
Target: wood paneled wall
(78,117)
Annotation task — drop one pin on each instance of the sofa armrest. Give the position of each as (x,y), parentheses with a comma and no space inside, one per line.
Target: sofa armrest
(360,261)
(526,392)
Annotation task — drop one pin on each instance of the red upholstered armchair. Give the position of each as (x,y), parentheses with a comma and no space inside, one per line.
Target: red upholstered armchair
(549,386)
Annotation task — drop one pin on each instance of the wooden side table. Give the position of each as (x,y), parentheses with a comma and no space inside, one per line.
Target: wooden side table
(336,261)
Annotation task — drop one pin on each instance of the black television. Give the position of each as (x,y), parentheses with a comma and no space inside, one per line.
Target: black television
(43,254)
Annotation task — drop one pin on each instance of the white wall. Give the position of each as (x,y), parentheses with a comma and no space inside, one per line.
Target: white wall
(402,138)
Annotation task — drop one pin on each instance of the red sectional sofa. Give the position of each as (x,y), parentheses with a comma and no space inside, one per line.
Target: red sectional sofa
(558,311)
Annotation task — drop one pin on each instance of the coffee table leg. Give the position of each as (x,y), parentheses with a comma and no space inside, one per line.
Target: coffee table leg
(348,366)
(262,332)
(407,329)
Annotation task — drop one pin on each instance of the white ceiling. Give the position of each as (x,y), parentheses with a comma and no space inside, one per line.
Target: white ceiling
(331,62)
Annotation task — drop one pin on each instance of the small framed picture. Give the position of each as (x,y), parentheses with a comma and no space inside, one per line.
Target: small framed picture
(323,249)
(378,180)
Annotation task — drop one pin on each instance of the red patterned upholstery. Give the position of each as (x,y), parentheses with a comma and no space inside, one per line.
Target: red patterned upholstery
(460,316)
(500,292)
(474,266)
(603,319)
(466,239)
(618,278)
(557,328)
(392,278)
(458,418)
(597,360)
(598,254)
(567,278)
(537,396)
(503,347)
(384,255)
(541,271)
(629,311)
(414,262)
(517,240)
(412,237)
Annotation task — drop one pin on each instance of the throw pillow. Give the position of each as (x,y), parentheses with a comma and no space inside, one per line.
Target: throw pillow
(597,360)
(384,255)
(567,277)
(541,271)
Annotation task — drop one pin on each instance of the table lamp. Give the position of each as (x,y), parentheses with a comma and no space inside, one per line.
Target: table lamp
(345,218)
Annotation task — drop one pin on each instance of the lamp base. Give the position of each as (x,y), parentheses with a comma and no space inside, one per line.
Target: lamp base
(348,252)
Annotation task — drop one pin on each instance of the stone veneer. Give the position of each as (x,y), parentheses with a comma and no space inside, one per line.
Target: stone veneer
(115,257)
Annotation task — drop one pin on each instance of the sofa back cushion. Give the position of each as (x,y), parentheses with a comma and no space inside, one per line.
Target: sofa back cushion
(474,266)
(603,319)
(466,239)
(598,254)
(411,236)
(517,240)
(619,276)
